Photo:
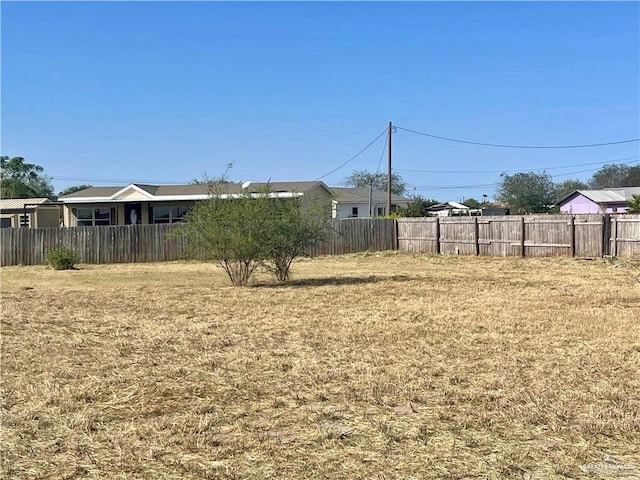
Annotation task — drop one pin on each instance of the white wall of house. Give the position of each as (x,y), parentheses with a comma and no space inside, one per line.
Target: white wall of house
(357,210)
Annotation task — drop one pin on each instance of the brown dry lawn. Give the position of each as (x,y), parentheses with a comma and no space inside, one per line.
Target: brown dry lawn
(372,366)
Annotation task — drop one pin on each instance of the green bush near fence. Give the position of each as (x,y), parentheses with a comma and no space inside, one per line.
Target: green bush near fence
(252,230)
(62,258)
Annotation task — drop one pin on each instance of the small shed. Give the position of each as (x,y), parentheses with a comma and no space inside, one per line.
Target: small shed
(452,209)
(29,212)
(612,200)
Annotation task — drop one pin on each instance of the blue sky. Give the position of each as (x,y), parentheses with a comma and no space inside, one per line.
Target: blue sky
(109,93)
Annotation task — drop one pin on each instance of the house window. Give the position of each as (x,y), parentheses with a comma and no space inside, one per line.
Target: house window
(95,217)
(5,222)
(380,212)
(24,220)
(354,211)
(169,214)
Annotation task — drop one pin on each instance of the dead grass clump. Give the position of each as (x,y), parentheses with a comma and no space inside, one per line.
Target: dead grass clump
(366,366)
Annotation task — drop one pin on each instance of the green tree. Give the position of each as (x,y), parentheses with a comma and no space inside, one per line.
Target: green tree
(293,226)
(419,207)
(472,203)
(633,178)
(73,189)
(527,192)
(615,175)
(19,179)
(252,230)
(634,204)
(567,187)
(363,178)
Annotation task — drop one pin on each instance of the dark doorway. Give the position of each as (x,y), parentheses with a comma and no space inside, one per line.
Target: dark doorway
(132,213)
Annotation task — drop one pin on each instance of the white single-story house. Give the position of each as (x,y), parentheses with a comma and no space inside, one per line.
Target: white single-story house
(148,204)
(452,209)
(28,212)
(610,200)
(356,202)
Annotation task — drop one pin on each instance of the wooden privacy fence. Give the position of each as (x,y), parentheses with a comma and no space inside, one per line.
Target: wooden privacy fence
(529,236)
(155,243)
(543,235)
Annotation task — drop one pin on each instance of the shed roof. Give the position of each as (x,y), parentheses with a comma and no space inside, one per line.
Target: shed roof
(19,203)
(609,195)
(448,205)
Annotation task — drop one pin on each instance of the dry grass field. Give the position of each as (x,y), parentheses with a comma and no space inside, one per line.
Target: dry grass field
(371,366)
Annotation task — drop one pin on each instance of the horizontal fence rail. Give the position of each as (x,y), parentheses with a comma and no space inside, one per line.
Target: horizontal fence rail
(162,242)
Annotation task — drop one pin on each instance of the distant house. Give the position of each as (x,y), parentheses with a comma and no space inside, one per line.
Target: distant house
(150,204)
(355,202)
(612,200)
(28,212)
(451,209)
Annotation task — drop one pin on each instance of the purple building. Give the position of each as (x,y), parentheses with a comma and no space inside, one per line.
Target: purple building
(612,200)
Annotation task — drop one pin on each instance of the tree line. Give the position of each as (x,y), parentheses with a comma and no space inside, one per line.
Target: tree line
(524,192)
(19,179)
(536,192)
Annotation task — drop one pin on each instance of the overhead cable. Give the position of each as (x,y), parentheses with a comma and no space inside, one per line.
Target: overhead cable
(354,157)
(626,160)
(384,149)
(486,144)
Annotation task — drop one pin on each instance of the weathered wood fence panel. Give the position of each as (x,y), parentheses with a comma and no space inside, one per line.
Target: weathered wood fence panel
(458,235)
(625,235)
(530,236)
(357,235)
(419,235)
(548,236)
(500,236)
(590,235)
(159,243)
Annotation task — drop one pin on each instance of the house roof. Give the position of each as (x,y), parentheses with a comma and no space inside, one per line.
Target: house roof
(610,195)
(361,195)
(19,203)
(448,205)
(186,192)
(93,192)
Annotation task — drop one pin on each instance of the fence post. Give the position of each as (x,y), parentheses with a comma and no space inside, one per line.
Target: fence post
(438,235)
(396,230)
(572,236)
(522,233)
(614,237)
(476,235)
(606,234)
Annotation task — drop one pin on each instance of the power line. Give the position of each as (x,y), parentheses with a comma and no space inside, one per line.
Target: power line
(485,144)
(112,180)
(354,157)
(520,170)
(455,187)
(384,150)
(452,187)
(585,171)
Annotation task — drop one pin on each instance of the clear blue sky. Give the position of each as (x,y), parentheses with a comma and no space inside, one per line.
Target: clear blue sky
(161,92)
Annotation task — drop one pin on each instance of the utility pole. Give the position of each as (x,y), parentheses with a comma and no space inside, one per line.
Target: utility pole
(389,173)
(371,198)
